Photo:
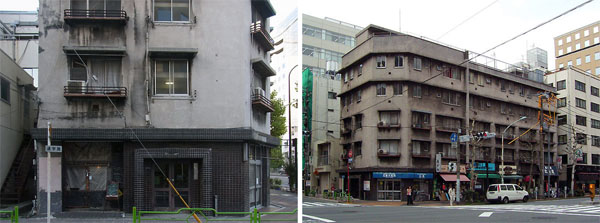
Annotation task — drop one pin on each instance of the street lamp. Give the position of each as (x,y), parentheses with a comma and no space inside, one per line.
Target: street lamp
(502,157)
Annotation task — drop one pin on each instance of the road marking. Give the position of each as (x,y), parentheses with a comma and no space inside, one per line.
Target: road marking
(574,210)
(317,218)
(486,214)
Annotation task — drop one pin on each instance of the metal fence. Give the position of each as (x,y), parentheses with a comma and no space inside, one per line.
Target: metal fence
(252,216)
(13,216)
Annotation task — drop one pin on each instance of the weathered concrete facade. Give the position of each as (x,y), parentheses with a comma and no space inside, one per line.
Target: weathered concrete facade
(403,96)
(186,73)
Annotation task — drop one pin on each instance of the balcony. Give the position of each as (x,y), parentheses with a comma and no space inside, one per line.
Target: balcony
(421,126)
(446,129)
(506,159)
(72,91)
(261,102)
(261,35)
(73,16)
(346,130)
(528,139)
(385,154)
(383,125)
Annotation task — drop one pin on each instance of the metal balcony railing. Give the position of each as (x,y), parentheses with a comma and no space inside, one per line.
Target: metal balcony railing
(95,91)
(261,35)
(262,103)
(95,15)
(323,160)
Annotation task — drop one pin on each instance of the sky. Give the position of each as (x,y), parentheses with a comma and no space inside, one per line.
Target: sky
(19,5)
(503,20)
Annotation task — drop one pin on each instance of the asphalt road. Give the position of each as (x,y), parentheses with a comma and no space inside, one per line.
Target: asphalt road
(570,210)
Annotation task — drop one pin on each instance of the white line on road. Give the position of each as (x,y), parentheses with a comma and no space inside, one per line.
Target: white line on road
(486,214)
(317,218)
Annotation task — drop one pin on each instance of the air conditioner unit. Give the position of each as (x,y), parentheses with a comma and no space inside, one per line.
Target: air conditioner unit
(76,86)
(382,152)
(259,91)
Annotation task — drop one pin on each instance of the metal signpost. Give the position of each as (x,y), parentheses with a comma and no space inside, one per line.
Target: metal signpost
(349,161)
(454,139)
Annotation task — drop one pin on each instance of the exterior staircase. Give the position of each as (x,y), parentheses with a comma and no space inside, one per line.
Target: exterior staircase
(15,182)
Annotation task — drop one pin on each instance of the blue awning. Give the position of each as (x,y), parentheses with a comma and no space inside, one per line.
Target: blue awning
(399,175)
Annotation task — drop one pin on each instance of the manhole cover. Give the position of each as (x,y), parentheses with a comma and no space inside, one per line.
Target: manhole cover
(544,218)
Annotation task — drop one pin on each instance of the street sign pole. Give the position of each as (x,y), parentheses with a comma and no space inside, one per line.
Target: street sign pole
(48,171)
(453,139)
(349,160)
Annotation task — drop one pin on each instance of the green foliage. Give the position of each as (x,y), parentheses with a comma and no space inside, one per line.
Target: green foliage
(278,126)
(292,171)
(276,158)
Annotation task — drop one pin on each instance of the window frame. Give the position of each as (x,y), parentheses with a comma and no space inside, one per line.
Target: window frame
(383,62)
(396,61)
(171,21)
(379,86)
(580,86)
(417,63)
(6,80)
(580,103)
(580,120)
(154,94)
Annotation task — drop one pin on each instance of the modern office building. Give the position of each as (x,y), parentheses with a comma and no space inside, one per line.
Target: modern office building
(578,124)
(402,97)
(287,80)
(537,58)
(18,105)
(579,48)
(324,42)
(140,91)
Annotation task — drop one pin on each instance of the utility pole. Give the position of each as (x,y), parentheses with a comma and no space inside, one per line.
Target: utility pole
(466,126)
(48,171)
(541,142)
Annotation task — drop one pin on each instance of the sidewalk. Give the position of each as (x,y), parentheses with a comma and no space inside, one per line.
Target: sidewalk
(385,203)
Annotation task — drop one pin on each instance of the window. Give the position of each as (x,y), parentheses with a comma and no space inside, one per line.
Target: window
(351,74)
(172,10)
(358,95)
(502,85)
(589,71)
(449,97)
(596,40)
(561,65)
(420,148)
(568,39)
(579,86)
(562,139)
(596,29)
(398,61)
(397,88)
(562,120)
(586,43)
(456,73)
(331,95)
(96,4)
(359,69)
(480,79)
(171,77)
(389,117)
(577,46)
(580,103)
(581,138)
(580,120)
(578,61)
(388,147)
(4,90)
(417,91)
(586,32)
(351,97)
(597,56)
(577,35)
(594,107)
(345,77)
(570,63)
(594,91)
(380,61)
(417,63)
(420,120)
(358,121)
(560,52)
(381,89)
(560,42)
(595,123)
(588,58)
(597,70)
(562,102)
(569,49)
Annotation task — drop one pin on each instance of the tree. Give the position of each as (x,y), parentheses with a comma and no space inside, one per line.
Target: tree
(278,128)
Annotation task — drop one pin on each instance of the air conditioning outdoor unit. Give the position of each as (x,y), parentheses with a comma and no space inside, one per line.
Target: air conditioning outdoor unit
(76,86)
(381,151)
(258,91)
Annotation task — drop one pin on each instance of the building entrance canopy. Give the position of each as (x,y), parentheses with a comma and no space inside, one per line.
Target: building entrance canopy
(452,177)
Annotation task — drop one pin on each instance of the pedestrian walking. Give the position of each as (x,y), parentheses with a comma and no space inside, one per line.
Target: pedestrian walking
(452,194)
(409,196)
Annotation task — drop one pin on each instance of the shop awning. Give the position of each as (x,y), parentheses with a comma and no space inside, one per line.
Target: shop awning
(491,176)
(513,177)
(452,177)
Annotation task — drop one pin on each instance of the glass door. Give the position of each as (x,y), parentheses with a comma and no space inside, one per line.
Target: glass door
(165,197)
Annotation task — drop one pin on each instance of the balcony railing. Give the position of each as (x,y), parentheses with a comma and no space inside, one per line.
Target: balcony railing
(388,125)
(323,160)
(261,35)
(262,103)
(84,15)
(421,154)
(94,92)
(446,129)
(385,154)
(422,126)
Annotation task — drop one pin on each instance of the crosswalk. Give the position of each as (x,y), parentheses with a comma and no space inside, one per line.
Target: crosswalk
(583,210)
(326,204)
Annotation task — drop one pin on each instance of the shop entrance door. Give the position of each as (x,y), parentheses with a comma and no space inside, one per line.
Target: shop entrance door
(178,171)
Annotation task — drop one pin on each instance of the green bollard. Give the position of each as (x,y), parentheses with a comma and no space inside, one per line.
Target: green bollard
(16,214)
(134,216)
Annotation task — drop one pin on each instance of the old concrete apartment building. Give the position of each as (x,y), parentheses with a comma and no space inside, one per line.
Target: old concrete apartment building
(142,90)
(403,96)
(579,48)
(578,125)
(324,41)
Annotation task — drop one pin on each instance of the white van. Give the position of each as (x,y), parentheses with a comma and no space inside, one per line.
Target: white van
(506,193)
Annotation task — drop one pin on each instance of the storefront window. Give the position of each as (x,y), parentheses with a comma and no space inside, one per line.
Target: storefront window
(389,190)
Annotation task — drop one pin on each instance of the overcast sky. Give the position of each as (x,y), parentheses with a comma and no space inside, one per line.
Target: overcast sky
(498,23)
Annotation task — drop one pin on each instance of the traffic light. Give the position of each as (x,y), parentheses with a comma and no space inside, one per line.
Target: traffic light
(485,135)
